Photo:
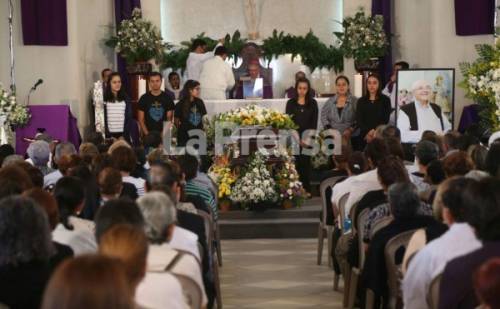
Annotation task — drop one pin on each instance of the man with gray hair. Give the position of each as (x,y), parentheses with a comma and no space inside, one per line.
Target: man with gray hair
(416,117)
(62,149)
(160,217)
(404,204)
(39,155)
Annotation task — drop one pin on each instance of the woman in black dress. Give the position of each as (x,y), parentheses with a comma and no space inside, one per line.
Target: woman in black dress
(303,110)
(189,112)
(373,109)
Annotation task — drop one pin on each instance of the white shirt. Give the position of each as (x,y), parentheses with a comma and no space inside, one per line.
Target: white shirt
(195,61)
(139,183)
(360,185)
(216,77)
(81,239)
(429,262)
(52,178)
(160,256)
(426,120)
(160,290)
(185,240)
(116,116)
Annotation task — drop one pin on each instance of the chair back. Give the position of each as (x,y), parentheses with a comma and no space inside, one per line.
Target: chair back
(433,294)
(329,182)
(377,226)
(209,229)
(191,290)
(363,216)
(341,207)
(394,275)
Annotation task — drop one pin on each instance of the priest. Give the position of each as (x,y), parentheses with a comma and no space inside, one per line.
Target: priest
(216,76)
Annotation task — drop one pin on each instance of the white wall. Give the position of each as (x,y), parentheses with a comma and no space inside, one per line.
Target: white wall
(184,19)
(425,36)
(67,71)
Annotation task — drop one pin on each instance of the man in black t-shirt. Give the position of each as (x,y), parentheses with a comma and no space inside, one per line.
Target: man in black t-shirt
(155,106)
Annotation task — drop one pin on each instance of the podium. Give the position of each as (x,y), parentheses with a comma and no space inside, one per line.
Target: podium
(57,121)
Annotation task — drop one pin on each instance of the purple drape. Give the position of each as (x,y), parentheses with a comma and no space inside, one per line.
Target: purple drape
(383,7)
(44,22)
(474,17)
(123,10)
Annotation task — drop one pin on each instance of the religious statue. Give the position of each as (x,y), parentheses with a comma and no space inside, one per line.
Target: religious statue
(98,101)
(252,18)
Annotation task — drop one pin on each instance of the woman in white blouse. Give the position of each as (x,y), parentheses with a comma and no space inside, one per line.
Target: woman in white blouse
(117,109)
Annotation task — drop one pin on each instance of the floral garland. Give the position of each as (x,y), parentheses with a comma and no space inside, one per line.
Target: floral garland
(363,37)
(11,113)
(482,84)
(255,115)
(137,39)
(288,184)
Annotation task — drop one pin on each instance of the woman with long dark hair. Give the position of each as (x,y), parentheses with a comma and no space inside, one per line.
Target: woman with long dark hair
(117,109)
(303,109)
(189,112)
(373,109)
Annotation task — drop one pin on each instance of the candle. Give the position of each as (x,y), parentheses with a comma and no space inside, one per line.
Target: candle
(358,85)
(142,87)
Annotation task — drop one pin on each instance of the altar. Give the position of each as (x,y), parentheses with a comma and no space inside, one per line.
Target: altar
(215,107)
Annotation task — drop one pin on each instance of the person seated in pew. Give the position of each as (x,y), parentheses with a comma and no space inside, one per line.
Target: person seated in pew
(487,283)
(404,205)
(429,260)
(456,288)
(291,92)
(159,289)
(254,78)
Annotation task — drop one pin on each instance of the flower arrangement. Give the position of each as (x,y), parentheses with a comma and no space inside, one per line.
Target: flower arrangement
(254,115)
(12,113)
(137,39)
(288,184)
(256,186)
(223,176)
(363,37)
(482,84)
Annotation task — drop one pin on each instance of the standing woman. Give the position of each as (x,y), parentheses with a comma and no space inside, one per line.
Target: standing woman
(373,109)
(117,109)
(339,112)
(189,112)
(303,110)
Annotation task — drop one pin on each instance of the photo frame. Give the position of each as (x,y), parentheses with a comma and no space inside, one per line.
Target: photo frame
(440,82)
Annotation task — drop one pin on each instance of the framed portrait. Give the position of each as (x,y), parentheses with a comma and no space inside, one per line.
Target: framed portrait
(425,100)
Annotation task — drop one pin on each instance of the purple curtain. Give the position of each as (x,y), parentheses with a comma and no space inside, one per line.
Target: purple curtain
(474,17)
(123,10)
(383,7)
(44,22)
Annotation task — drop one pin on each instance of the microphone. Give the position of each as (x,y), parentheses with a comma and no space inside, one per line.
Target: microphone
(38,83)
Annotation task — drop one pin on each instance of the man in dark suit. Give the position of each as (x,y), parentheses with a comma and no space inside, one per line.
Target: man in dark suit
(456,288)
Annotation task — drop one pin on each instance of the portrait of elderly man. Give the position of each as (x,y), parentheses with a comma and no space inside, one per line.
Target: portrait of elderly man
(420,115)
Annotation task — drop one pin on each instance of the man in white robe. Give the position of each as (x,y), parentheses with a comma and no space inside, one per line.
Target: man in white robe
(196,57)
(216,76)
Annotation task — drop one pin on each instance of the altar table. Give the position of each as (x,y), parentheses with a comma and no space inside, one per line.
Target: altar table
(57,121)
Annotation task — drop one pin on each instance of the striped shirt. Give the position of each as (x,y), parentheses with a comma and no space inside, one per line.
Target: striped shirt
(193,189)
(116,116)
(139,184)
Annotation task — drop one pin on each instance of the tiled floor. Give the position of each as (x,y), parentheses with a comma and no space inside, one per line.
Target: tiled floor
(276,273)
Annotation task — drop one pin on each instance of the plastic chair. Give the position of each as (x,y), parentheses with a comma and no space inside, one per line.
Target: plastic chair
(394,274)
(323,227)
(433,294)
(379,225)
(191,290)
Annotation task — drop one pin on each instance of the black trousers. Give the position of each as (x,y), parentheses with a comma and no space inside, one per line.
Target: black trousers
(304,167)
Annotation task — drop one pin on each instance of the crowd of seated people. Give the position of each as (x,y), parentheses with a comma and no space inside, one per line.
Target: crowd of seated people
(74,222)
(447,196)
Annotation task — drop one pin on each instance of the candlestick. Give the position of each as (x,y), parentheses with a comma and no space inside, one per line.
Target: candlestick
(358,85)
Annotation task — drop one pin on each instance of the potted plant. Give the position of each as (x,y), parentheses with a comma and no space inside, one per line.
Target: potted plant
(482,84)
(288,185)
(224,177)
(138,41)
(363,39)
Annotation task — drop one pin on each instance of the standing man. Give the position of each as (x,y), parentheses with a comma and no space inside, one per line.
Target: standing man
(155,106)
(216,76)
(173,87)
(196,57)
(390,89)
